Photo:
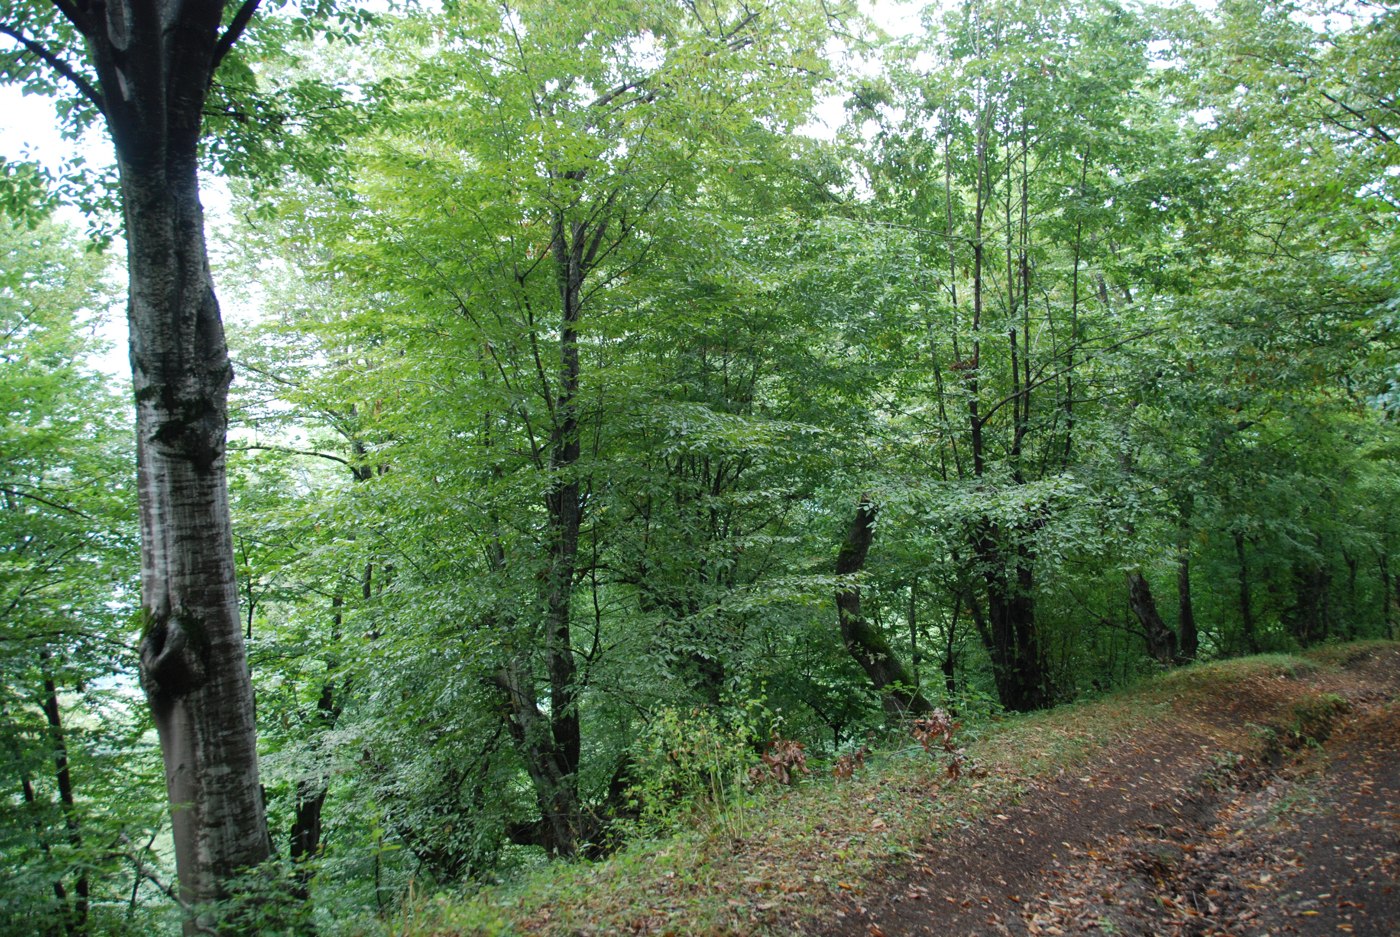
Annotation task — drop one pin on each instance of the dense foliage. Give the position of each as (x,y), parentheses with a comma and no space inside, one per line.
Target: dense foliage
(601,423)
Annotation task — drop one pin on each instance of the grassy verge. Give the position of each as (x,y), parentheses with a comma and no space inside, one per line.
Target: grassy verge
(785,853)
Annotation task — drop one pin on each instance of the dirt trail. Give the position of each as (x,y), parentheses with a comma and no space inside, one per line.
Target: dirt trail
(1177,834)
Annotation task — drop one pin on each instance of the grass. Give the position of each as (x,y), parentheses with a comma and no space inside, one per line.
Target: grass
(801,847)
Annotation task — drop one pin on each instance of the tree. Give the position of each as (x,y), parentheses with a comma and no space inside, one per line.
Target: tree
(147,70)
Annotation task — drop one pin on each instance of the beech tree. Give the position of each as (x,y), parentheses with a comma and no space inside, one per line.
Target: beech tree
(146,69)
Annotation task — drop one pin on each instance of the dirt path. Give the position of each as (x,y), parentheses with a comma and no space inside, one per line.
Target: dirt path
(1178,835)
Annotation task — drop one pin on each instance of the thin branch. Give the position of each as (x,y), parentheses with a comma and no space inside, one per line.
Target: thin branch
(1046,378)
(230,36)
(1103,622)
(1359,116)
(67,634)
(270,375)
(84,86)
(58,506)
(290,451)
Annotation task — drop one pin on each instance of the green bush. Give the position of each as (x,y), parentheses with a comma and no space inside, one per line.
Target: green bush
(691,760)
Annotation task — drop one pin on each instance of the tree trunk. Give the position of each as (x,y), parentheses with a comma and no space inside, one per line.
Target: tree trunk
(863,640)
(1352,564)
(154,64)
(1310,618)
(1251,638)
(192,658)
(549,738)
(1010,634)
(949,664)
(1161,640)
(1387,602)
(76,916)
(560,828)
(311,791)
(1189,640)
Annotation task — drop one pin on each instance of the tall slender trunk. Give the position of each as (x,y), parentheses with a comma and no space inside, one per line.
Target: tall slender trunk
(1388,602)
(565,509)
(311,792)
(1072,344)
(892,680)
(1310,618)
(154,63)
(76,916)
(916,656)
(1188,635)
(549,738)
(949,664)
(1352,564)
(1251,637)
(1012,640)
(972,370)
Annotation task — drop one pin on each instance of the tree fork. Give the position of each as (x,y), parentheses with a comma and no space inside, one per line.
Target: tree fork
(892,680)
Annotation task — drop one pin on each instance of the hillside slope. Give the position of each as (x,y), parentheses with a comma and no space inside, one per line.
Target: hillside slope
(1246,797)
(1272,811)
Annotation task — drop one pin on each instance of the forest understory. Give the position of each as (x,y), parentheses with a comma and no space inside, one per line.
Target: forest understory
(1248,798)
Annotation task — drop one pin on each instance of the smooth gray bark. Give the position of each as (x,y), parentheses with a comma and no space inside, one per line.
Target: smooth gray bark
(152,64)
(193,663)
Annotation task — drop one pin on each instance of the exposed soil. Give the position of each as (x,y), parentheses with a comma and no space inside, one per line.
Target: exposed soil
(1258,819)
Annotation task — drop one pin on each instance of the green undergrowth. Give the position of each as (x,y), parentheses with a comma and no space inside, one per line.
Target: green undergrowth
(793,850)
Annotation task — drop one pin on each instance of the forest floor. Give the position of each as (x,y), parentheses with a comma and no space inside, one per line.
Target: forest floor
(1244,798)
(1171,835)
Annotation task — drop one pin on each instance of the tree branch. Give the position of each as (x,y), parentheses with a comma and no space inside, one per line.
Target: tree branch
(1046,378)
(1374,127)
(230,36)
(73,15)
(56,505)
(290,451)
(87,88)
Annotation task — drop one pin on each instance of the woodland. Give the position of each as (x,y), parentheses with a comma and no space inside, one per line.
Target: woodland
(614,393)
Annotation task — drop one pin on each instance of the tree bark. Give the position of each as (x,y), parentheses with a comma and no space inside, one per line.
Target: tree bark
(1009,630)
(193,663)
(1161,640)
(154,65)
(561,826)
(1251,638)
(893,681)
(76,916)
(1189,640)
(549,738)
